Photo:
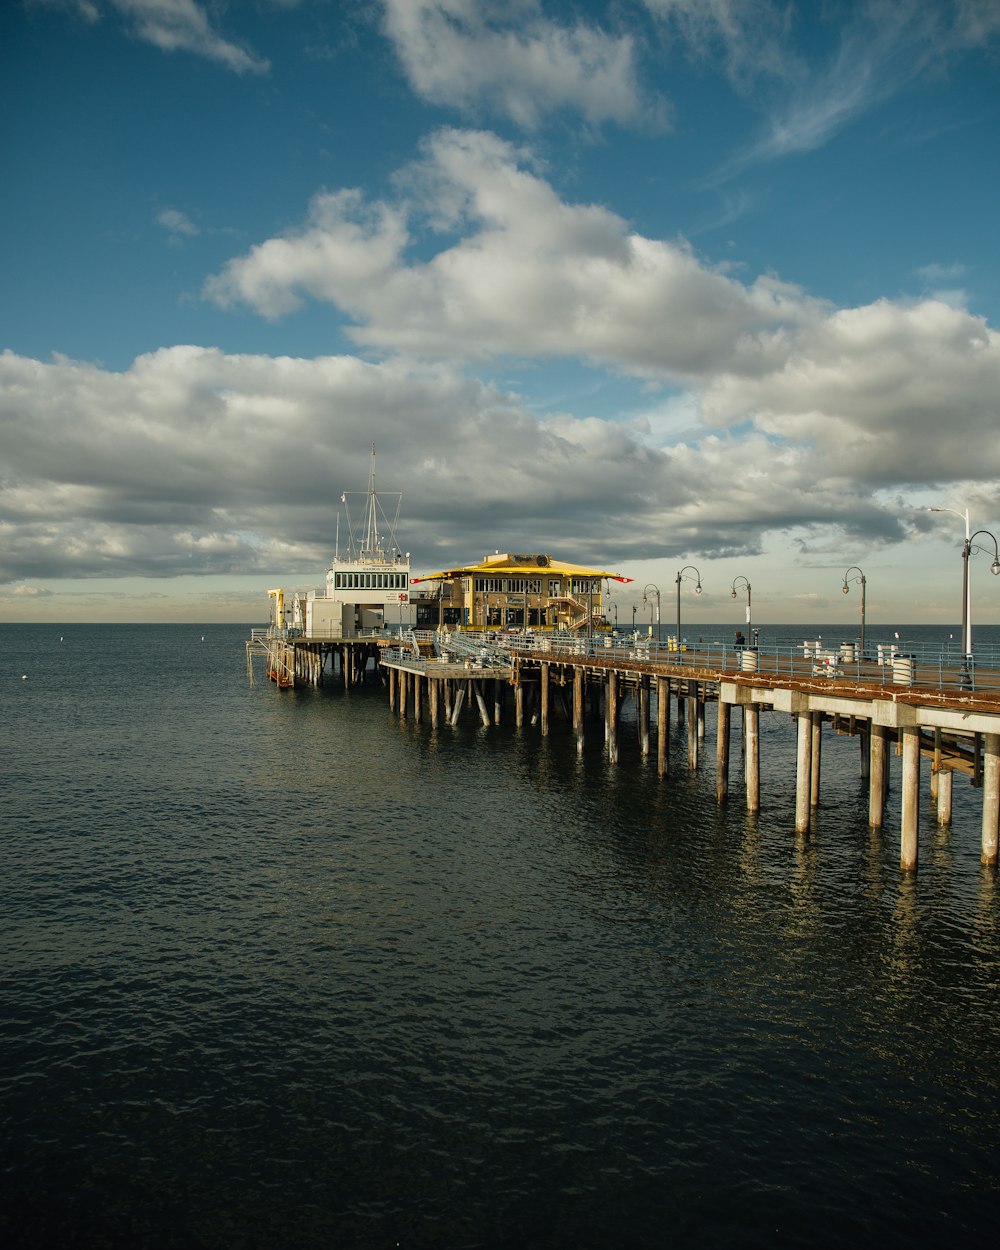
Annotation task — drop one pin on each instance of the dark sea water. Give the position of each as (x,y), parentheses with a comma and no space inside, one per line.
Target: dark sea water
(282,970)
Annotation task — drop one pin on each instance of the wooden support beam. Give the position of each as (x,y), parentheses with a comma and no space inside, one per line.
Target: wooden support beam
(877,777)
(457,702)
(578,709)
(693,715)
(611,715)
(817,747)
(484,714)
(751,732)
(642,713)
(944,795)
(803,771)
(991,797)
(662,724)
(936,766)
(722,753)
(910,800)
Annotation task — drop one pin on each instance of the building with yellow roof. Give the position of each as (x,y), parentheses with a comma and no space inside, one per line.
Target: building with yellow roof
(506,591)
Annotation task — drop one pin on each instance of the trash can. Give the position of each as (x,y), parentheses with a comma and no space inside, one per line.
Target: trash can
(748,659)
(847,652)
(902,670)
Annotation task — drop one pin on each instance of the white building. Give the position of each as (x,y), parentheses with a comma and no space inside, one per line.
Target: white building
(367,585)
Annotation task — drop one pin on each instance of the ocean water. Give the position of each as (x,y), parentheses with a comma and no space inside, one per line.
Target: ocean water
(280,969)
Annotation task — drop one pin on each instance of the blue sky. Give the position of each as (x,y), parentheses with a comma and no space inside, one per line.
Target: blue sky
(643,284)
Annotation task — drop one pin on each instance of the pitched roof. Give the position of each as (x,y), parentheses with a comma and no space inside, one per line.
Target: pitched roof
(522,565)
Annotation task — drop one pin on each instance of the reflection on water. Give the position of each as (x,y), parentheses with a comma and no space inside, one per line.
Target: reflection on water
(284,970)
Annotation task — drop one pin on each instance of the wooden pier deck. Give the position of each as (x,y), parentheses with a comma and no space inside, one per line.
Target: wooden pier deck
(938,711)
(938,708)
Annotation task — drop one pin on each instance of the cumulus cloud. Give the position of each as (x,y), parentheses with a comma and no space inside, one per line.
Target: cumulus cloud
(875,390)
(509,58)
(193,461)
(529,275)
(172,26)
(525,274)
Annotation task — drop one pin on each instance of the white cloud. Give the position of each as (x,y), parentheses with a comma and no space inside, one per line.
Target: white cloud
(177,224)
(23,590)
(750,37)
(525,274)
(530,275)
(174,25)
(935,273)
(195,462)
(343,252)
(826,405)
(509,58)
(882,47)
(887,393)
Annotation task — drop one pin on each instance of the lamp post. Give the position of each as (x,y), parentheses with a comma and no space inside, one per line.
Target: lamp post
(967,551)
(846,589)
(742,579)
(634,606)
(681,573)
(590,613)
(966,614)
(645,598)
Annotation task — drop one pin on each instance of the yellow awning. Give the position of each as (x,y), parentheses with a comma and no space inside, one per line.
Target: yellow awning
(549,568)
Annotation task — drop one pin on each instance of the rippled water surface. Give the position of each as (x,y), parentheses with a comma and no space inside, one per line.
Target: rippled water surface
(282,970)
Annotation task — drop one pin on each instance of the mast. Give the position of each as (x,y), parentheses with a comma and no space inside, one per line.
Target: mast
(365,543)
(371,549)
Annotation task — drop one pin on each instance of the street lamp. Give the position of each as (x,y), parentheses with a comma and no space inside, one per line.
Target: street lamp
(681,573)
(645,598)
(634,609)
(846,589)
(742,579)
(966,613)
(967,551)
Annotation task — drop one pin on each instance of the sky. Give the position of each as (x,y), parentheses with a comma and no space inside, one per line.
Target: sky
(643,284)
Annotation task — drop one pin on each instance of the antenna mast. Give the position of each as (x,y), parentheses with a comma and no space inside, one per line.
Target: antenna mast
(372,549)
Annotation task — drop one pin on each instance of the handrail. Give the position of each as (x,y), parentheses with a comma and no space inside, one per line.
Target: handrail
(890,664)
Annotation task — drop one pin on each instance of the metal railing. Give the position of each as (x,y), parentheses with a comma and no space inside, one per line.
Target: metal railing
(893,663)
(333,633)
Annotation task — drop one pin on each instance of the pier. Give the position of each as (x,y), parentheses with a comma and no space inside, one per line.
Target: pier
(941,707)
(291,659)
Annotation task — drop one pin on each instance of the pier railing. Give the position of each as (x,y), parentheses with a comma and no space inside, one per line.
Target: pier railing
(891,664)
(331,633)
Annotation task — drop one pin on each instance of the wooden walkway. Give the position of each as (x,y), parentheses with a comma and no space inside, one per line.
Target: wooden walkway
(935,709)
(956,729)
